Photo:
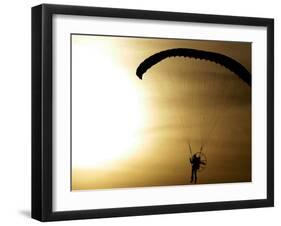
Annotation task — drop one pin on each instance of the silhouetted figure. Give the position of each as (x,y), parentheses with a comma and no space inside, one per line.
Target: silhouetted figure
(196,163)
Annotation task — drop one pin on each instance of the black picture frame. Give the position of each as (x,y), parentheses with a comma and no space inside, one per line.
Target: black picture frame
(42,111)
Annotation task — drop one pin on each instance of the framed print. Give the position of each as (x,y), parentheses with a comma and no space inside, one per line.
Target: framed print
(146,112)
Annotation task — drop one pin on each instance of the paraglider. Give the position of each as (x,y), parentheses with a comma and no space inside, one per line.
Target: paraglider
(218,58)
(197,160)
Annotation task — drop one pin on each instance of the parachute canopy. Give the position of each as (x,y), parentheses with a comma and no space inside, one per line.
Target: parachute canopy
(218,58)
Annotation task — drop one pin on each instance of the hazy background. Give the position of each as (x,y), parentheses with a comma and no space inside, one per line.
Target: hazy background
(179,101)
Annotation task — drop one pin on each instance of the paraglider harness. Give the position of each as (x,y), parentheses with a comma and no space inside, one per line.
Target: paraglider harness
(202,159)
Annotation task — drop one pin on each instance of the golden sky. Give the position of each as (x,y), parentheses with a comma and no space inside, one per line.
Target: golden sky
(140,129)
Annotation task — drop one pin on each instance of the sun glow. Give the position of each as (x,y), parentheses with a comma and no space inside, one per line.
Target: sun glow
(111,107)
